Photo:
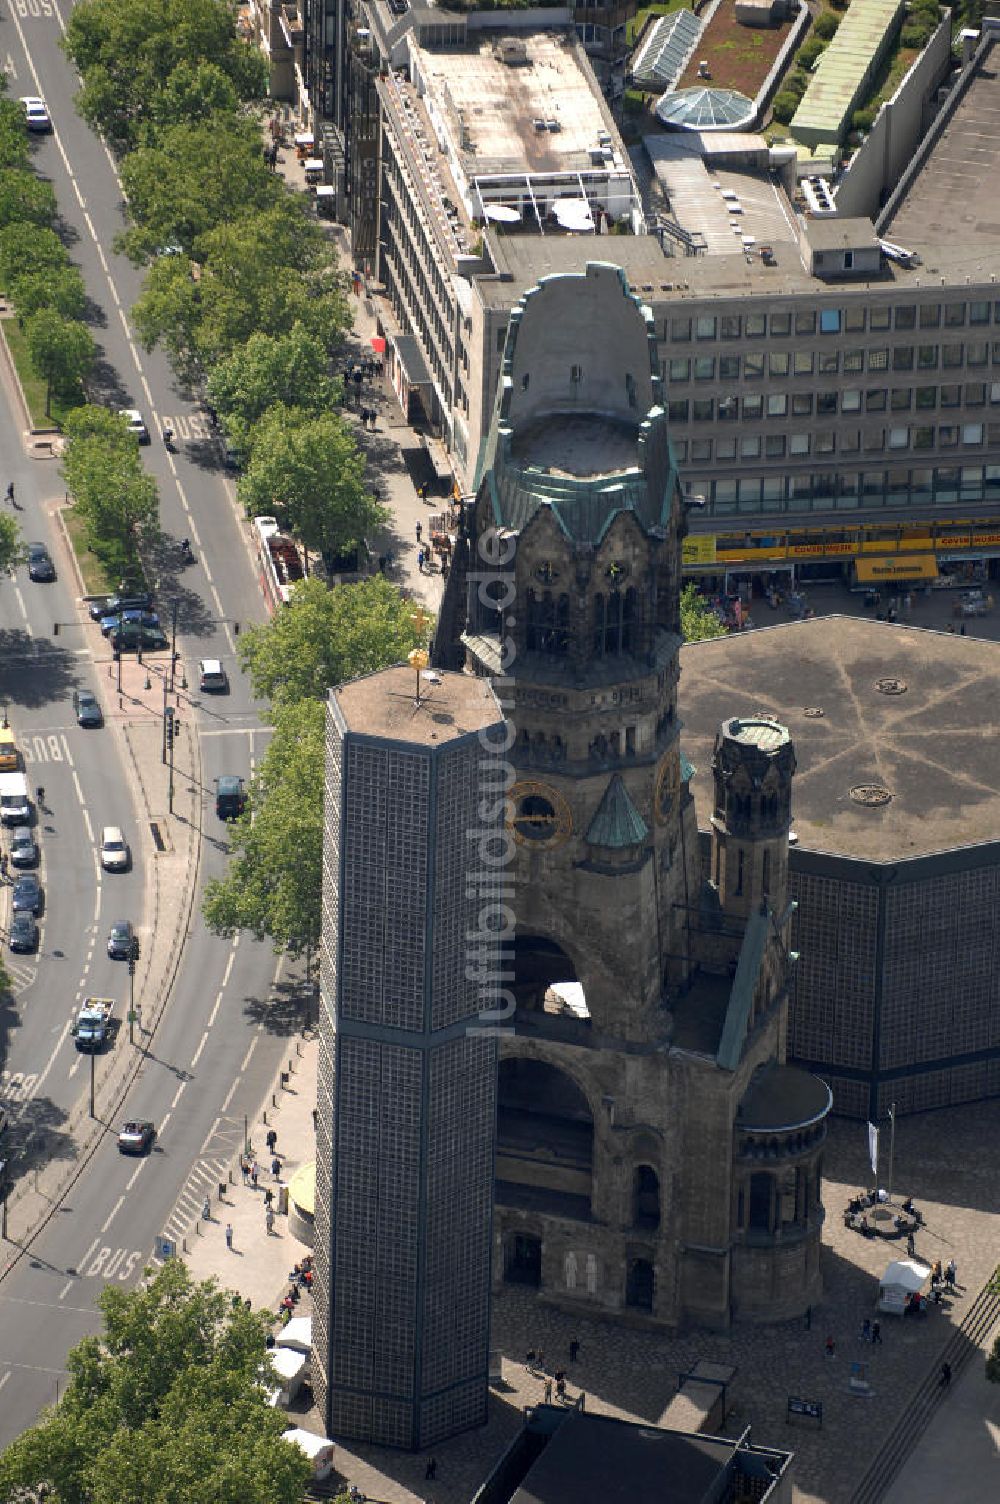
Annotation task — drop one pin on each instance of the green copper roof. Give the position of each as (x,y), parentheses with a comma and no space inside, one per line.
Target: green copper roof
(734,1030)
(617,823)
(688,769)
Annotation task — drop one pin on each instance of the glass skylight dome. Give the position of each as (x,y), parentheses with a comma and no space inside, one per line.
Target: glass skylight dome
(704,110)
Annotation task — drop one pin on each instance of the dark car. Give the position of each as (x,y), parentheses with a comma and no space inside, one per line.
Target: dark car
(230,798)
(132,634)
(40,565)
(136,1138)
(128,619)
(23,933)
(86,709)
(27,897)
(110,605)
(121,940)
(23,848)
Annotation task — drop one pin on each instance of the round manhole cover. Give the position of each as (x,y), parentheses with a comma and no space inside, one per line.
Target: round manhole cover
(813,713)
(871,795)
(891,686)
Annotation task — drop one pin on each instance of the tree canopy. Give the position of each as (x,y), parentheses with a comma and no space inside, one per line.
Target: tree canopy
(165,1405)
(274,882)
(325,637)
(10,550)
(25,197)
(62,351)
(129,51)
(311,473)
(292,368)
(114,495)
(698,620)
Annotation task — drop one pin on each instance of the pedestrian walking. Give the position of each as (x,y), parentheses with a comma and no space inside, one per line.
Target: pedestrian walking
(560,1386)
(254,1172)
(269,1220)
(206,1210)
(419,531)
(876,1334)
(420,560)
(950,1273)
(911,1247)
(10,492)
(547,1393)
(866,1330)
(276,1167)
(431,1470)
(574,1350)
(268,1196)
(244,1168)
(4,864)
(229,1235)
(945,1375)
(271,1140)
(961,630)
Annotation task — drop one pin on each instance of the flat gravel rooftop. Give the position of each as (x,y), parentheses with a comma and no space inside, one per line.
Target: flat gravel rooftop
(932,744)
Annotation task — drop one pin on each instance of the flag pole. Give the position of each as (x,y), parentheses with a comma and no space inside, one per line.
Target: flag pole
(892,1144)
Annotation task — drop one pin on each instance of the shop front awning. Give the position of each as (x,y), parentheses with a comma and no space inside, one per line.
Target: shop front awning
(897,568)
(410,359)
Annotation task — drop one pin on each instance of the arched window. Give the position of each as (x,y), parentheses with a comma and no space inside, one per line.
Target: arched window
(761,1192)
(739,872)
(616,622)
(767,873)
(646,1198)
(548,624)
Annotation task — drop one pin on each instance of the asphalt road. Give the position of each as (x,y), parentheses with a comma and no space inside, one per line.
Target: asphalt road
(218,1045)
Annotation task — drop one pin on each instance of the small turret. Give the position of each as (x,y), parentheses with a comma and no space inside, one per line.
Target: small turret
(753,763)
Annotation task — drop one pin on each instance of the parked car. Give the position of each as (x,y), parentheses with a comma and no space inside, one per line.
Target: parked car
(136,423)
(23,933)
(212,677)
(40,565)
(111,605)
(36,115)
(132,635)
(120,940)
(130,618)
(23,847)
(86,709)
(115,855)
(27,897)
(136,1138)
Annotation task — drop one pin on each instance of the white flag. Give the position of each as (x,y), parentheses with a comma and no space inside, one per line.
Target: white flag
(873,1147)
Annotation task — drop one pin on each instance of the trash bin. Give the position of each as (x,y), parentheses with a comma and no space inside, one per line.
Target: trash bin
(283,1201)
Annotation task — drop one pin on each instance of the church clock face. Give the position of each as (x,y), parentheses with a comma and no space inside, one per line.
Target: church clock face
(668,782)
(541,815)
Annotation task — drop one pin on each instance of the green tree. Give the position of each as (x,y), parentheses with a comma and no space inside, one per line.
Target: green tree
(61,350)
(193,178)
(11,551)
(165,1405)
(194,91)
(128,50)
(14,149)
(274,882)
(311,471)
(25,198)
(27,248)
(293,368)
(325,637)
(698,620)
(114,495)
(57,287)
(168,312)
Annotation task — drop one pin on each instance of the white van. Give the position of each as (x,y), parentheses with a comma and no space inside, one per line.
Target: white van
(15,803)
(115,855)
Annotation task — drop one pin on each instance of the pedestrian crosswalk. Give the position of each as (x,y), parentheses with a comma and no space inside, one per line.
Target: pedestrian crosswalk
(220,1153)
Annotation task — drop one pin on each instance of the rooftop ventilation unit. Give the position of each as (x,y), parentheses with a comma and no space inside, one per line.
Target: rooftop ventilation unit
(819,199)
(513,52)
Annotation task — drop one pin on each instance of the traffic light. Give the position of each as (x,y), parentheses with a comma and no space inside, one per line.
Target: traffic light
(168,729)
(133,955)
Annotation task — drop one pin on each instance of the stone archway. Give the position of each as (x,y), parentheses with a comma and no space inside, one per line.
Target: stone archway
(546,979)
(545,1139)
(640,1285)
(522,1260)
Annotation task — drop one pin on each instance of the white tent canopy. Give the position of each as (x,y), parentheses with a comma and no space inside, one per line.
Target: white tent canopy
(903,1277)
(297,1334)
(319,1449)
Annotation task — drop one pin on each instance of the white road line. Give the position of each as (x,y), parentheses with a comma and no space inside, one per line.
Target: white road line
(201,1046)
(67,1287)
(229,965)
(177,1095)
(79,789)
(112,1213)
(136,1173)
(230,1094)
(86,1256)
(167,1116)
(215,1009)
(249,1053)
(66,752)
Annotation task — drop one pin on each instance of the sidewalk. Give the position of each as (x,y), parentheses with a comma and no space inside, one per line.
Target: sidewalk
(258,1263)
